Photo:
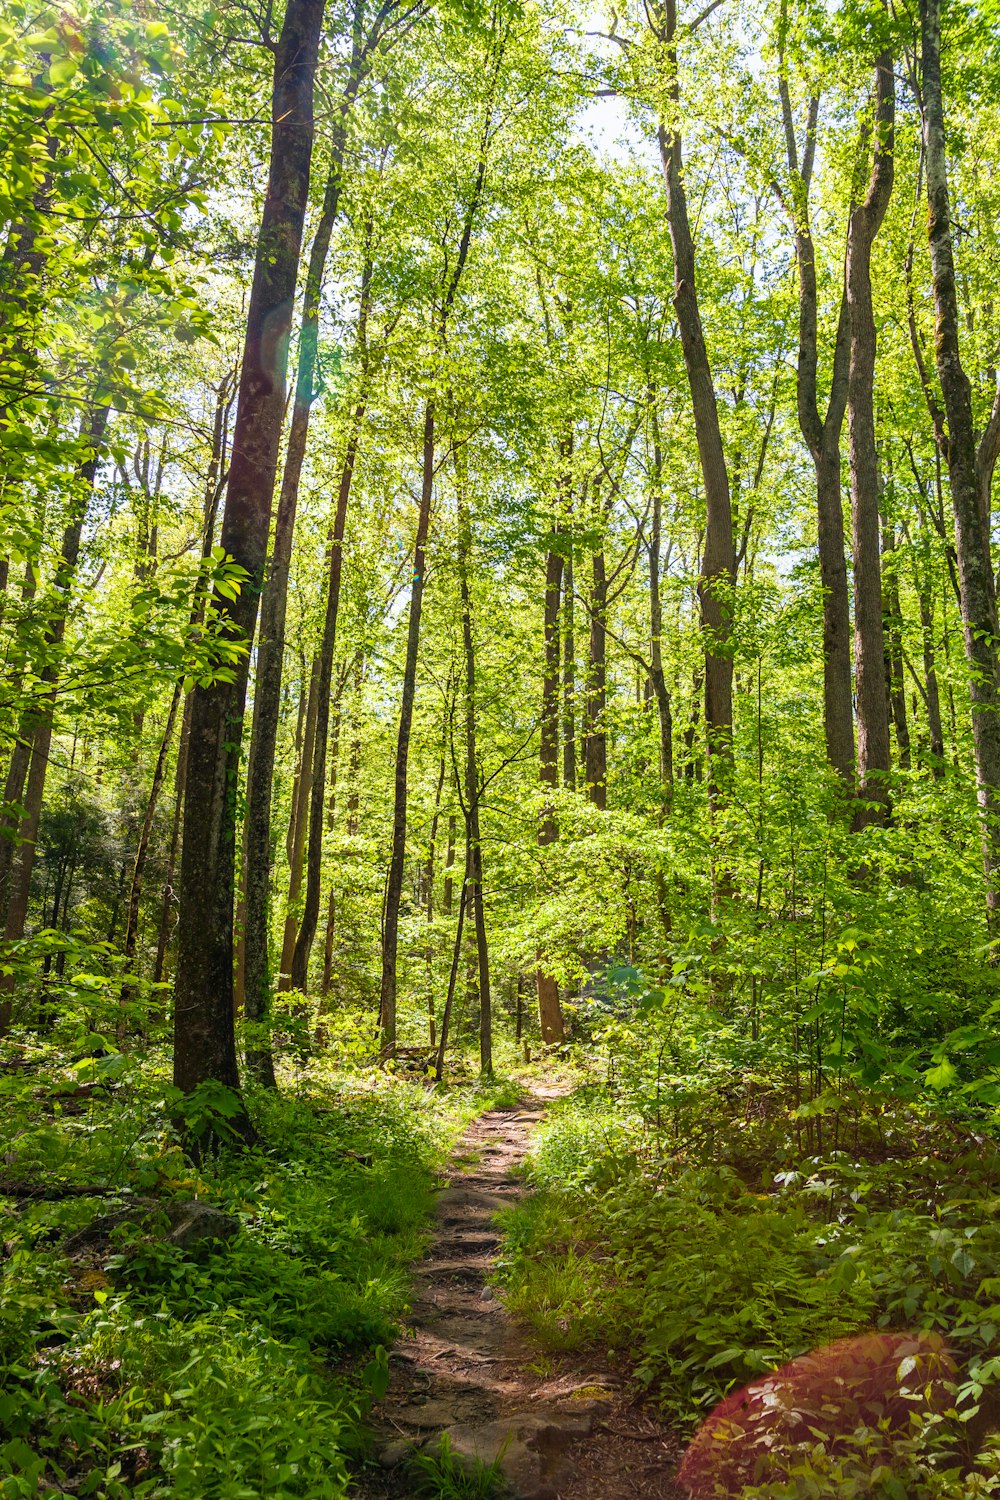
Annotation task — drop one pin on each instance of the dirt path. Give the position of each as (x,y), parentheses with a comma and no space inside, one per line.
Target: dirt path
(463,1369)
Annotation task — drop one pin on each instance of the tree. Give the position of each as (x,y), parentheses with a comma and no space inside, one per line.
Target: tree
(204,1039)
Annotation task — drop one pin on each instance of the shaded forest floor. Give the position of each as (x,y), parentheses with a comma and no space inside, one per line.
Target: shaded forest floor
(583,1263)
(467,1385)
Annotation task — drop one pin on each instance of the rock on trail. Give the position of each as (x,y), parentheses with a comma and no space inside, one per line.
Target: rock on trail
(464,1372)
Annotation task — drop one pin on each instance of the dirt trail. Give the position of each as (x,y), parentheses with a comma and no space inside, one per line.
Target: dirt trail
(463,1369)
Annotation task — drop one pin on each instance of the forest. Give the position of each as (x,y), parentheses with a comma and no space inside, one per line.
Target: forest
(500,749)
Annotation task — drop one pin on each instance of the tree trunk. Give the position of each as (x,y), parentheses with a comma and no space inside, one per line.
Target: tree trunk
(822,437)
(718,568)
(473,838)
(449,863)
(270,655)
(979,615)
(167,899)
(142,851)
(569,676)
(894,679)
(869,645)
(656,676)
(394,884)
(549,1010)
(297,831)
(204,1033)
(335,559)
(595,733)
(932,694)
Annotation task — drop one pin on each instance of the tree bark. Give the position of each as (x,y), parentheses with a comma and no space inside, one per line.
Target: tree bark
(270,654)
(869,645)
(204,1032)
(979,615)
(822,437)
(718,570)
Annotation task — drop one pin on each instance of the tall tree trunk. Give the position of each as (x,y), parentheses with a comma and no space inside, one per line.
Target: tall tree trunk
(979,614)
(595,732)
(473,836)
(204,1032)
(569,675)
(335,570)
(656,675)
(718,567)
(214,480)
(549,1010)
(869,645)
(270,654)
(822,437)
(394,884)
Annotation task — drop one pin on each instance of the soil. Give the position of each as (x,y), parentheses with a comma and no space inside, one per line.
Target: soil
(562,1430)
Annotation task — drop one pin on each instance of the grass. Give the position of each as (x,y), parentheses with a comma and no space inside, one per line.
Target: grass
(441,1474)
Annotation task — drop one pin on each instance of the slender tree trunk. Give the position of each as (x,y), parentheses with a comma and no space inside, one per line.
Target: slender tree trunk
(656,675)
(335,558)
(473,835)
(822,437)
(452,979)
(718,569)
(869,645)
(271,650)
(167,899)
(932,694)
(979,615)
(394,884)
(142,851)
(595,737)
(204,1032)
(449,864)
(549,1010)
(428,891)
(297,831)
(895,681)
(569,676)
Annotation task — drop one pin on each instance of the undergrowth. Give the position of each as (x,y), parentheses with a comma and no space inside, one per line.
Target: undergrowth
(705,1232)
(231,1368)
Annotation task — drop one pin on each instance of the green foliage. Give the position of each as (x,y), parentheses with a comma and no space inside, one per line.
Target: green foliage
(131,1366)
(701,1279)
(439,1474)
